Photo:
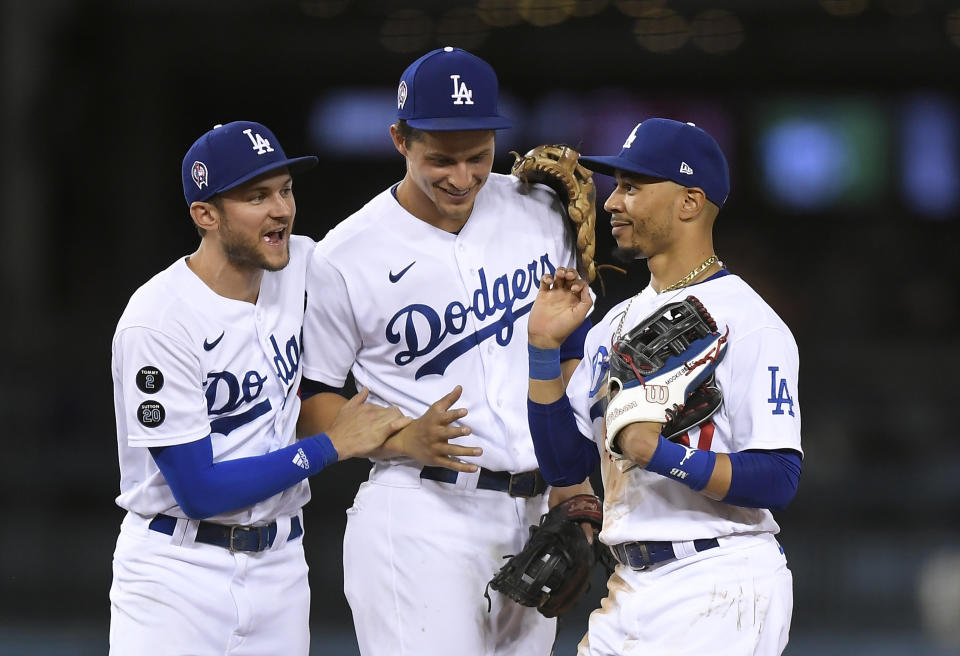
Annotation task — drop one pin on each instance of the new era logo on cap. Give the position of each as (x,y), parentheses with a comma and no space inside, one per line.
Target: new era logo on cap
(449,89)
(231,154)
(670,150)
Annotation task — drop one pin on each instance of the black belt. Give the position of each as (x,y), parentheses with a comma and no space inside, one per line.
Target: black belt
(234,538)
(641,555)
(524,484)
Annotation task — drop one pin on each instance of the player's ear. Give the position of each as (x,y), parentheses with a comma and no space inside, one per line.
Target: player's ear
(398,141)
(205,215)
(692,202)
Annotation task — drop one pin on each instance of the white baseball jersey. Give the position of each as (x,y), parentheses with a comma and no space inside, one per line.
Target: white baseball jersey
(760,410)
(415,310)
(188,363)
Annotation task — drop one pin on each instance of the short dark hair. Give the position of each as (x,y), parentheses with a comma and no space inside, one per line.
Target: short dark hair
(408,133)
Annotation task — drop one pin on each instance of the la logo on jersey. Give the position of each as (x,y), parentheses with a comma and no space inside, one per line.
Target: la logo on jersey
(261,145)
(461,94)
(779,394)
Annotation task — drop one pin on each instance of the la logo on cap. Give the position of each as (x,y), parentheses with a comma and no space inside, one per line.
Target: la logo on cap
(402,94)
(461,94)
(261,145)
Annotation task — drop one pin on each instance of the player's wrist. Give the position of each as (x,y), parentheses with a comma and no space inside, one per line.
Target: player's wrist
(393,447)
(692,467)
(638,441)
(544,362)
(543,341)
(340,446)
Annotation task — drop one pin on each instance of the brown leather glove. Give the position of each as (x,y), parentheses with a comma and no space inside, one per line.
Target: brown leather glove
(556,166)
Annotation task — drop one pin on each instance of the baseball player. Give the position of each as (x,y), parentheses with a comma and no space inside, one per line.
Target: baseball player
(424,295)
(206,368)
(688,520)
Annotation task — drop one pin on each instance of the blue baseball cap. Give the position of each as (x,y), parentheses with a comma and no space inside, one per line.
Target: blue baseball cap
(449,89)
(231,154)
(682,152)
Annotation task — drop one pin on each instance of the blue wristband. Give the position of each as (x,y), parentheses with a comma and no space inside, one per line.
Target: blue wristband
(544,363)
(692,467)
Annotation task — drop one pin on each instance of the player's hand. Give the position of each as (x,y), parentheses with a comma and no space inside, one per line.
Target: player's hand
(561,306)
(639,440)
(560,494)
(361,427)
(427,438)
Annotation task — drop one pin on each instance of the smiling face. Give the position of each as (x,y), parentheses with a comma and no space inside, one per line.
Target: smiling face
(643,214)
(256,219)
(445,170)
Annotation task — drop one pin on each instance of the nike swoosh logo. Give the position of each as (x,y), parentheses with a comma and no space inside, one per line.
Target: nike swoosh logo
(209,346)
(395,277)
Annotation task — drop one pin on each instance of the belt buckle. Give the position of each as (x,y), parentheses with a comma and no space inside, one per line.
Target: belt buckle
(519,494)
(233,533)
(645,554)
(623,556)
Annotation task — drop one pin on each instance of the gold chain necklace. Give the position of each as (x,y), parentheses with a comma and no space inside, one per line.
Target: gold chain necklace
(683,282)
(687,279)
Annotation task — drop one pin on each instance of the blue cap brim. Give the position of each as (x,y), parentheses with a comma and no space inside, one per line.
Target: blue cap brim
(610,165)
(294,164)
(455,123)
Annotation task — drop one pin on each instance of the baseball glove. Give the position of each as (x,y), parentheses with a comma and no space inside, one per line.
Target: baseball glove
(662,371)
(556,166)
(553,569)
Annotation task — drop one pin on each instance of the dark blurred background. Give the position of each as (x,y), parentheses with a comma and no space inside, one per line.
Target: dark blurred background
(841,121)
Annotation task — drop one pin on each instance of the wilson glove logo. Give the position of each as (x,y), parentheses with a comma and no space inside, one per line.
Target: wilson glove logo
(657,393)
(616,412)
(422,329)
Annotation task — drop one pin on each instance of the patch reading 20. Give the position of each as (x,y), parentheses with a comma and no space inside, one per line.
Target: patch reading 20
(149,380)
(151,414)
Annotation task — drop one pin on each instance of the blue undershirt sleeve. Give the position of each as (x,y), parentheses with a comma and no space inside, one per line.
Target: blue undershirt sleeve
(204,488)
(572,347)
(763,479)
(565,456)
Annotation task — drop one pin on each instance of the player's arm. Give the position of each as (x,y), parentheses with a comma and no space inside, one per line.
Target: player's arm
(752,479)
(204,488)
(765,472)
(565,456)
(571,352)
(426,439)
(319,405)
